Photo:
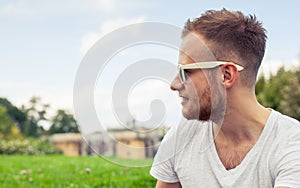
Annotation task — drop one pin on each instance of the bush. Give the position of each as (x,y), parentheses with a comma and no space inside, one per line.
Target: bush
(27,146)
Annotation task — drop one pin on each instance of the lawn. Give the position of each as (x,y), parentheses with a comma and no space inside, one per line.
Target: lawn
(62,171)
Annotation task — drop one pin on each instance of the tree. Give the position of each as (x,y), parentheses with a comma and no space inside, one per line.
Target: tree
(18,116)
(281,92)
(63,122)
(290,104)
(8,128)
(36,112)
(260,84)
(271,93)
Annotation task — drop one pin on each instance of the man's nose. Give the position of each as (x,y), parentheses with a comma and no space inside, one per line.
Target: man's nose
(176,84)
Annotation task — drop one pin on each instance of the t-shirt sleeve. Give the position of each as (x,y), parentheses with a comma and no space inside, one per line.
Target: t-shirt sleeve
(288,168)
(163,166)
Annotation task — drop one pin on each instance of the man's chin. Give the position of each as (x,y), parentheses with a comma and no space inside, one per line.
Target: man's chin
(195,116)
(190,116)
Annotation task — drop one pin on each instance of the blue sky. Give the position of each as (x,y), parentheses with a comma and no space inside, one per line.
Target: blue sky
(43,42)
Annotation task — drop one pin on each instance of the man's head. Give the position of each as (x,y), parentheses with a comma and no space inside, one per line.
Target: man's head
(232,36)
(235,43)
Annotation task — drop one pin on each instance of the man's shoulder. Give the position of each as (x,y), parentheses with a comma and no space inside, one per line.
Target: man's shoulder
(281,117)
(286,129)
(286,147)
(178,139)
(287,124)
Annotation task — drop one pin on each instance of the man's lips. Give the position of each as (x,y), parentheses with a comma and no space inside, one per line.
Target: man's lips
(184,100)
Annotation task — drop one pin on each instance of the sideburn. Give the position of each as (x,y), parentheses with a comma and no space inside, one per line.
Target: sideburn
(205,105)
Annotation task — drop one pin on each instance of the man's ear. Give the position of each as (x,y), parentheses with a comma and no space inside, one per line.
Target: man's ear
(230,74)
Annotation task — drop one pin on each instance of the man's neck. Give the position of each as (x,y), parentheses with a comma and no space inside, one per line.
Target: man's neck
(239,131)
(243,122)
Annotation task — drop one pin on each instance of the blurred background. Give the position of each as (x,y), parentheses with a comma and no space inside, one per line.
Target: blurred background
(43,43)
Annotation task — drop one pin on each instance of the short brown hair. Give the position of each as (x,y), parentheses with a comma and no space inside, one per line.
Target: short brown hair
(232,36)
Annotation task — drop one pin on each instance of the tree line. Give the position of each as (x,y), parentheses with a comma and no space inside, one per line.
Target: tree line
(281,91)
(27,120)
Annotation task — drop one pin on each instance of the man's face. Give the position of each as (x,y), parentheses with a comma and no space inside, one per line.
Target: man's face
(196,91)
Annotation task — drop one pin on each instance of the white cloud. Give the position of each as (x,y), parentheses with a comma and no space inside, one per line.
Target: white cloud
(91,38)
(269,67)
(38,8)
(139,100)
(108,5)
(111,25)
(17,8)
(143,94)
(88,40)
(58,98)
(34,8)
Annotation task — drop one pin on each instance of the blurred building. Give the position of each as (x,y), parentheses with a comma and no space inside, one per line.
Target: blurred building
(70,143)
(135,143)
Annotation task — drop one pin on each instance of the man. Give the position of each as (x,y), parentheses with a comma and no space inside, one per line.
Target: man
(229,139)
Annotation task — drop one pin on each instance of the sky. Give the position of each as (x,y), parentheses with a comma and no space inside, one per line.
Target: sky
(44,42)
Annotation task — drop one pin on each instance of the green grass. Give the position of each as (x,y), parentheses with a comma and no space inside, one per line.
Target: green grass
(62,171)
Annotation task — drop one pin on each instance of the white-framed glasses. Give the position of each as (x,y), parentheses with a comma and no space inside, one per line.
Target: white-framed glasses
(202,65)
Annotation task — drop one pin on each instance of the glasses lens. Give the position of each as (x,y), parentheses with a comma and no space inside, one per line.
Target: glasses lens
(181,74)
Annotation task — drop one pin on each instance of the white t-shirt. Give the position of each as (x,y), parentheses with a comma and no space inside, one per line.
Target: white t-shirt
(188,155)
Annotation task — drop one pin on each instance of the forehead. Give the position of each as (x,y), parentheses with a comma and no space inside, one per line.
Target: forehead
(193,48)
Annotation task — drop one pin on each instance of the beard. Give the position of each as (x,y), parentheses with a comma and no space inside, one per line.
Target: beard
(205,110)
(211,105)
(198,108)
